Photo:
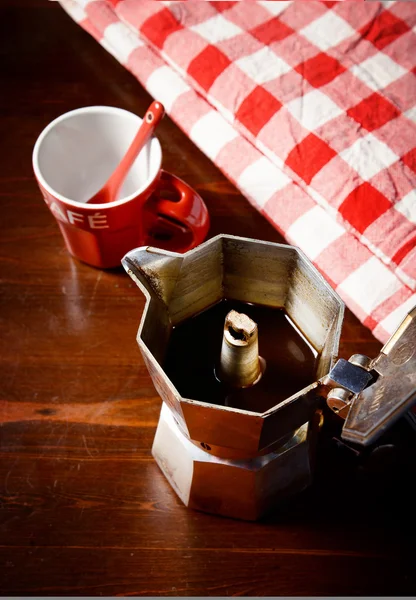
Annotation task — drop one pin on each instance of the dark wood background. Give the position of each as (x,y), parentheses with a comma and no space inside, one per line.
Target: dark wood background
(84,509)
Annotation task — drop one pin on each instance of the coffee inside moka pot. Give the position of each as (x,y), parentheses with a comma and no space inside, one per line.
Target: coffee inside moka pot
(283,360)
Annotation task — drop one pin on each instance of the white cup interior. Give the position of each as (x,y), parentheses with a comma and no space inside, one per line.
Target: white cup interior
(76,154)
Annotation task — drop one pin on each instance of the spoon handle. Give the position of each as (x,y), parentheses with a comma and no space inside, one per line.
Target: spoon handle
(111,189)
(151,119)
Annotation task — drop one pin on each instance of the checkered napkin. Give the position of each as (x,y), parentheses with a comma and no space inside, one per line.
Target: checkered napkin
(309,108)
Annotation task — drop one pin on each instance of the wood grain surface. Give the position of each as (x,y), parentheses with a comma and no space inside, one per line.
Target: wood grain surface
(84,509)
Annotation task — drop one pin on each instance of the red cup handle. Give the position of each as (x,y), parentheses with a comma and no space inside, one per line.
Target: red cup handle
(177,224)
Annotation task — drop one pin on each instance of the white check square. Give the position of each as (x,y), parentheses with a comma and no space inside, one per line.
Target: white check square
(370,285)
(212,133)
(368,156)
(261,180)
(393,320)
(76,10)
(378,71)
(387,3)
(274,8)
(327,31)
(313,109)
(121,41)
(407,206)
(411,114)
(314,231)
(216,29)
(264,65)
(166,85)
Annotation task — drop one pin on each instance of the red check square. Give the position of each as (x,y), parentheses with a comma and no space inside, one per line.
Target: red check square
(320,69)
(159,27)
(206,67)
(409,159)
(384,29)
(257,109)
(273,30)
(308,157)
(370,323)
(222,6)
(363,206)
(404,250)
(373,112)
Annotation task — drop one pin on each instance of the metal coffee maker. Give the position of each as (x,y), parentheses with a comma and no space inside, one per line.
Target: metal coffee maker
(235,462)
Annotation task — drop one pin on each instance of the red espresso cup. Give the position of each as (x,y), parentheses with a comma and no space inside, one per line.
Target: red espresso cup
(72,159)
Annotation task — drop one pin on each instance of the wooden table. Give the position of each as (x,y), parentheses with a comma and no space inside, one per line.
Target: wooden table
(84,508)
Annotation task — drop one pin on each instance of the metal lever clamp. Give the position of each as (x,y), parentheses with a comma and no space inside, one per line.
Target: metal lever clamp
(371,394)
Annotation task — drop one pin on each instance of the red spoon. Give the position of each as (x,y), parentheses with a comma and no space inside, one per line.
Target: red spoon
(110,190)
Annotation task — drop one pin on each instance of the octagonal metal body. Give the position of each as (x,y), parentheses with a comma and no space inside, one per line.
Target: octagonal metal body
(179,286)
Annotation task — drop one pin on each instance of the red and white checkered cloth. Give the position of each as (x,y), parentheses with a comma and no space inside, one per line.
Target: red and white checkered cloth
(309,108)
